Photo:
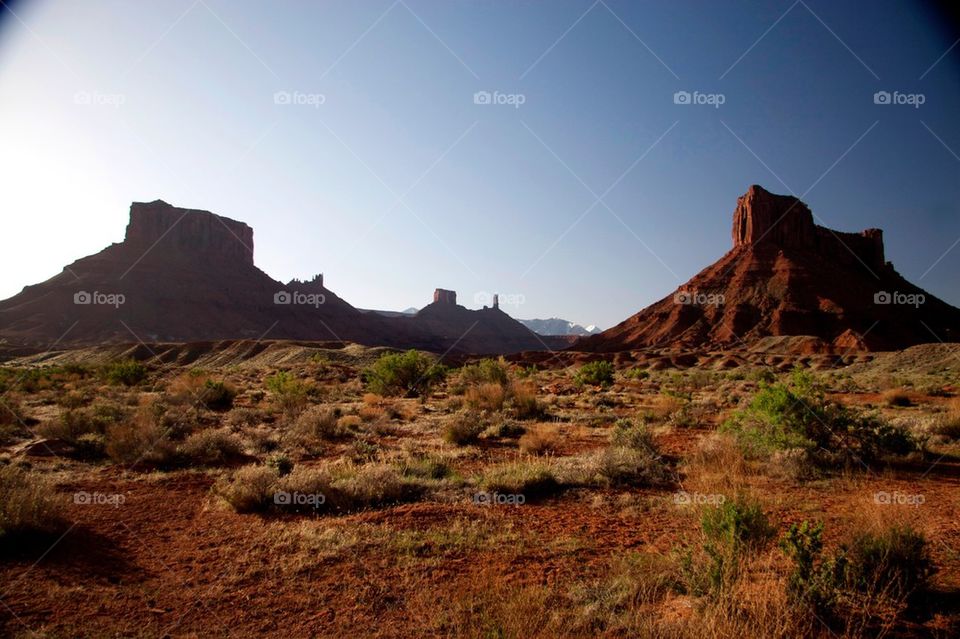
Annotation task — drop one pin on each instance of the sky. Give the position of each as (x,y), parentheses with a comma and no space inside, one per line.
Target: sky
(546,151)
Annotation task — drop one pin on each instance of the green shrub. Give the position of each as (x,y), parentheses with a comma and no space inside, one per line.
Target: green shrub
(892,564)
(29,505)
(637,374)
(217,395)
(289,393)
(733,531)
(127,372)
(486,371)
(795,415)
(409,374)
(599,373)
(281,463)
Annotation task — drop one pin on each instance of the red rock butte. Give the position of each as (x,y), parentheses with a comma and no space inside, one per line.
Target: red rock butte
(787,276)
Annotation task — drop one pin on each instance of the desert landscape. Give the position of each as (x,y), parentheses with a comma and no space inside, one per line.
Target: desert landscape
(403,416)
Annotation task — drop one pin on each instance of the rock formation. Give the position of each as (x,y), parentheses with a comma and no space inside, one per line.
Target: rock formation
(443,296)
(786,276)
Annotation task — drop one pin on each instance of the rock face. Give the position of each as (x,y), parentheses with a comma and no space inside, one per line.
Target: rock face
(786,276)
(183,275)
(443,296)
(199,233)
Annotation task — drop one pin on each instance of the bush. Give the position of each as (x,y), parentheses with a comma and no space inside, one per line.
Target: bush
(509,430)
(463,429)
(75,424)
(523,400)
(732,531)
(892,565)
(127,372)
(486,396)
(289,393)
(626,434)
(486,371)
(426,467)
(795,415)
(210,448)
(537,442)
(620,466)
(217,395)
(139,439)
(317,423)
(409,374)
(897,398)
(281,463)
(599,373)
(29,505)
(250,489)
(532,480)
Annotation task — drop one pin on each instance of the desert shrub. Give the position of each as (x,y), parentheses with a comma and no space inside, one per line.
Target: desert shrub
(281,463)
(486,396)
(523,400)
(599,373)
(29,505)
(11,419)
(75,424)
(372,485)
(249,489)
(509,430)
(947,427)
(463,429)
(892,564)
(732,531)
(217,395)
(795,415)
(531,479)
(240,418)
(537,442)
(628,434)
(209,448)
(637,374)
(349,424)
(91,446)
(127,372)
(139,439)
(289,393)
(897,398)
(425,467)
(486,371)
(317,423)
(622,466)
(409,374)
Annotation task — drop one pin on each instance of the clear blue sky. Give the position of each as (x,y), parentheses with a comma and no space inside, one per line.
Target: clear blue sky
(182,108)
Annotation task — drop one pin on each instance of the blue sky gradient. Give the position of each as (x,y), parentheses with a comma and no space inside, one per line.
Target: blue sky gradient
(595,197)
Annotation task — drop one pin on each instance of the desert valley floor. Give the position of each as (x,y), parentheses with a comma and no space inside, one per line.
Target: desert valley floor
(563,499)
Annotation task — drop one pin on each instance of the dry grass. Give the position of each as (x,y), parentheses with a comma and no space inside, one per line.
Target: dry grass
(539,442)
(29,504)
(486,396)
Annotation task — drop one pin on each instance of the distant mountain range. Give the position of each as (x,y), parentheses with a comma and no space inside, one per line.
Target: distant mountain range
(548,327)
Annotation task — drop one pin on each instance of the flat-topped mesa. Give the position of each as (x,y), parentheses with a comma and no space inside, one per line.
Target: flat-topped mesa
(443,296)
(194,232)
(785,221)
